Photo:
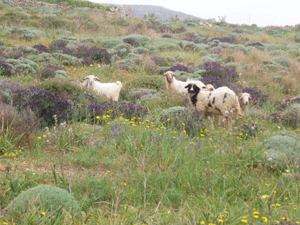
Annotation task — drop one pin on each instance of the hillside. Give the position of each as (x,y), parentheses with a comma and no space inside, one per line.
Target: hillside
(161,12)
(69,155)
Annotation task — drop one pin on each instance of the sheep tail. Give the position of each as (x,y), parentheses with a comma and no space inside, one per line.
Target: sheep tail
(118,83)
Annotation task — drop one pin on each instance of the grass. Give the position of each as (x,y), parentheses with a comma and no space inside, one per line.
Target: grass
(146,170)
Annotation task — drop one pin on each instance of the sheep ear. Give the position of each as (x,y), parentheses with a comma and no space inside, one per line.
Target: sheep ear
(97,78)
(174,75)
(187,86)
(240,96)
(165,75)
(250,97)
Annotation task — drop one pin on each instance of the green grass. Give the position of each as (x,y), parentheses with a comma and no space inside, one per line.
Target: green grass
(141,170)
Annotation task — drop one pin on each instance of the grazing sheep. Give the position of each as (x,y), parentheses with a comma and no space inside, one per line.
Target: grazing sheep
(219,102)
(110,90)
(179,86)
(244,100)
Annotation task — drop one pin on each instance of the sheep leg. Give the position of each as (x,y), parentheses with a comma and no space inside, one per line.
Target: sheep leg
(229,123)
(211,121)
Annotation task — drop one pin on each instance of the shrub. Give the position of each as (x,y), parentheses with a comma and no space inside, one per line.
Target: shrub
(13,53)
(140,50)
(5,68)
(47,197)
(43,103)
(59,46)
(168,47)
(179,67)
(49,71)
(282,61)
(137,94)
(111,43)
(43,58)
(133,42)
(219,82)
(25,33)
(189,120)
(41,48)
(19,124)
(65,59)
(150,82)
(282,149)
(115,109)
(87,61)
(215,69)
(22,66)
(159,60)
(99,55)
(247,131)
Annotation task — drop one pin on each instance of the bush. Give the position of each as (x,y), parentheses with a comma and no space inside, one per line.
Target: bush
(41,48)
(282,61)
(43,103)
(179,67)
(47,197)
(215,69)
(49,71)
(114,109)
(282,149)
(135,95)
(65,59)
(43,58)
(189,120)
(219,82)
(22,66)
(20,125)
(132,42)
(168,47)
(150,82)
(111,43)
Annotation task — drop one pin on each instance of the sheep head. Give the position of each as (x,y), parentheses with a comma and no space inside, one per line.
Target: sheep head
(192,88)
(91,79)
(169,76)
(245,98)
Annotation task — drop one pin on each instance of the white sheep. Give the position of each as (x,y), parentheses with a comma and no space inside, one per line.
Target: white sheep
(179,86)
(110,90)
(218,102)
(244,100)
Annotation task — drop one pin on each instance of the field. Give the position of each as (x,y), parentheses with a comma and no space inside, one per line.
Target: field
(148,158)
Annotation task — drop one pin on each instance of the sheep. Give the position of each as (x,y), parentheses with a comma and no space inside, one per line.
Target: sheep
(244,100)
(218,102)
(110,90)
(176,85)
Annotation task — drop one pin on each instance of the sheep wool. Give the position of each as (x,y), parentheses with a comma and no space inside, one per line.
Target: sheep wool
(219,102)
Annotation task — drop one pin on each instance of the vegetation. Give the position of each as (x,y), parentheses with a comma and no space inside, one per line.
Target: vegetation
(148,158)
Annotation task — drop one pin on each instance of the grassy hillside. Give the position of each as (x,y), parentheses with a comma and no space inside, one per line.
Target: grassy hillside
(148,158)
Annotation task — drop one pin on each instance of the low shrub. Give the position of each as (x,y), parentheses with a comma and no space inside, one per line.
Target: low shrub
(20,125)
(49,71)
(47,198)
(219,82)
(43,103)
(189,120)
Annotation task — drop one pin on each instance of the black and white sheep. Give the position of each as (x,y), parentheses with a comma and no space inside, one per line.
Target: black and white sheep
(179,86)
(110,90)
(218,102)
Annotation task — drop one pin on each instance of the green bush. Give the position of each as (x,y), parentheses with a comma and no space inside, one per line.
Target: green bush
(168,47)
(297,38)
(150,82)
(283,61)
(43,58)
(282,149)
(65,59)
(111,43)
(48,198)
(22,66)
